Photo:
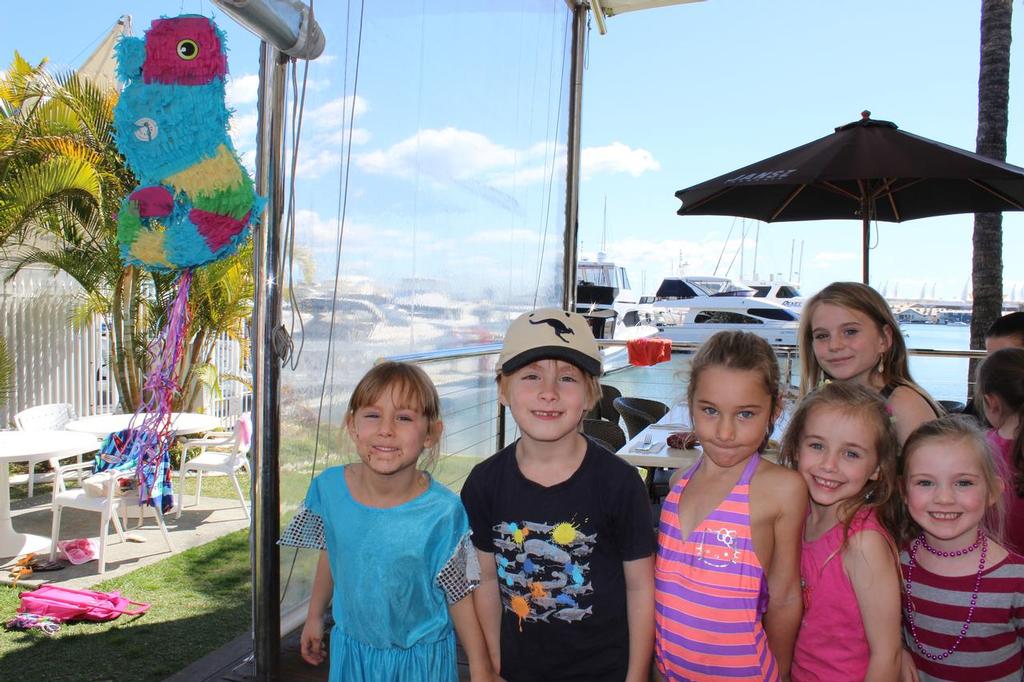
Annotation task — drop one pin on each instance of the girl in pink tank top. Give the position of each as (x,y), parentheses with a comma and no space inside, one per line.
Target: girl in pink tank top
(717,537)
(843,442)
(999,391)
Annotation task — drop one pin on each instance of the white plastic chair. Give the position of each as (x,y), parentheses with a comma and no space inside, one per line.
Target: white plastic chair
(233,455)
(107,506)
(51,417)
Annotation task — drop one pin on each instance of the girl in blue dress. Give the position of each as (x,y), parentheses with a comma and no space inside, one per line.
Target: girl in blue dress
(396,563)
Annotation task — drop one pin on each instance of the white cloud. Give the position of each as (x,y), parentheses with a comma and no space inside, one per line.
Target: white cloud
(242,89)
(530,175)
(616,158)
(339,136)
(311,229)
(315,230)
(472,160)
(496,236)
(242,129)
(335,112)
(313,162)
(445,155)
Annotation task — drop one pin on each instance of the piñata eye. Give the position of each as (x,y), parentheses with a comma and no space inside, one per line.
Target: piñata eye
(188,50)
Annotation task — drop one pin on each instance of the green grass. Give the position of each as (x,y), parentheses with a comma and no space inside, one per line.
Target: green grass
(200,601)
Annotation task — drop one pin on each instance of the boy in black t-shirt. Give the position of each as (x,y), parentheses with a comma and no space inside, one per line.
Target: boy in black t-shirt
(562,525)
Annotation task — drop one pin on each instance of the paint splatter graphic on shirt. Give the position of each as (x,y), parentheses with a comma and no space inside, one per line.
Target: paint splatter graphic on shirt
(542,570)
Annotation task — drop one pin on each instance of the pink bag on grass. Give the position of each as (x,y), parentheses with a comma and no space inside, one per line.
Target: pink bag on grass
(64,604)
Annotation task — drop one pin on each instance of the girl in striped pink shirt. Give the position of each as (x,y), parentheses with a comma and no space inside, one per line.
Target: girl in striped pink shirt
(963,615)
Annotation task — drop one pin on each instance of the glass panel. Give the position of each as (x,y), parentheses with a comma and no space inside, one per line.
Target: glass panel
(447,170)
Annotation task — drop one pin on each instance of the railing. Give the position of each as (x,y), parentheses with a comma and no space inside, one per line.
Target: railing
(476,423)
(474,419)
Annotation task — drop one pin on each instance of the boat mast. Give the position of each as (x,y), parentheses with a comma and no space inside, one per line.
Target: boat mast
(604,227)
(800,263)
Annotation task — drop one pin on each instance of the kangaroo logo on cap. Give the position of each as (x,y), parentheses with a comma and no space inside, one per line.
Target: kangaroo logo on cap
(559,327)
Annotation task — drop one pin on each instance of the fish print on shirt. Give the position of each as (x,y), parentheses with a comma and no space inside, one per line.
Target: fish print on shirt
(541,572)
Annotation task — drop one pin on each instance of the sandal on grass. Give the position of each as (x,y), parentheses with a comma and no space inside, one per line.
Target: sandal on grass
(40,565)
(17,573)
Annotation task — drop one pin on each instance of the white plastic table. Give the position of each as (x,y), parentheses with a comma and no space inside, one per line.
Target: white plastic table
(181,423)
(32,447)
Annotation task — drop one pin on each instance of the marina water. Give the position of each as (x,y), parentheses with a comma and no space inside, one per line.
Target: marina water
(944,378)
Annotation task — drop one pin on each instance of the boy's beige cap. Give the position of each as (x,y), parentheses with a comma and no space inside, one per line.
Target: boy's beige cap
(550,333)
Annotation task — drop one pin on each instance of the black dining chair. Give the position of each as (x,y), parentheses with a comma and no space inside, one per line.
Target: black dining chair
(952,406)
(605,408)
(608,434)
(639,413)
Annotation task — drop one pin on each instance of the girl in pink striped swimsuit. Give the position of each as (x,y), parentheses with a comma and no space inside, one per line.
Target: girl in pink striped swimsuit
(729,545)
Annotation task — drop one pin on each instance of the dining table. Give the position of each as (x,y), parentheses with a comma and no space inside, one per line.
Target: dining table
(32,447)
(182,423)
(650,449)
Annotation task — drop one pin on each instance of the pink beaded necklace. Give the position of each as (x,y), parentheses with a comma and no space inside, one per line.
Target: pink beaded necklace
(983,543)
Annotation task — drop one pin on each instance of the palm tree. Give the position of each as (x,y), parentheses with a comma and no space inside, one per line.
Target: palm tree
(62,180)
(6,373)
(993,105)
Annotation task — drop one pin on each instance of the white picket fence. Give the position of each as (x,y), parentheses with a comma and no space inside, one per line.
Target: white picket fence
(56,363)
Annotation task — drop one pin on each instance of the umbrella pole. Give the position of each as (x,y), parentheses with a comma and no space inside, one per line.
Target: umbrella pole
(865,216)
(865,239)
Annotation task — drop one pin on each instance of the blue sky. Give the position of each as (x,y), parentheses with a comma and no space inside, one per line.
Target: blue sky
(457,132)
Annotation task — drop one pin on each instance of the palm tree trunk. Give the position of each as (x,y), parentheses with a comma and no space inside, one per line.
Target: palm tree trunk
(195,356)
(123,312)
(993,106)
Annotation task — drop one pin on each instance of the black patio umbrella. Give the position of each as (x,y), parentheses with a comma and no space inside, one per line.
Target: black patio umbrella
(867,169)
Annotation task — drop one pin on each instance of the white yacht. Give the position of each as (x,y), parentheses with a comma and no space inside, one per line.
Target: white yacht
(777,291)
(687,312)
(605,297)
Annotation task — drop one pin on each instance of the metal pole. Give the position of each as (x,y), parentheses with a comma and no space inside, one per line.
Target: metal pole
(865,238)
(501,426)
(572,180)
(265,555)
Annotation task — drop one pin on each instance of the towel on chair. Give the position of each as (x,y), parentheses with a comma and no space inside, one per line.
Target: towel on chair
(649,351)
